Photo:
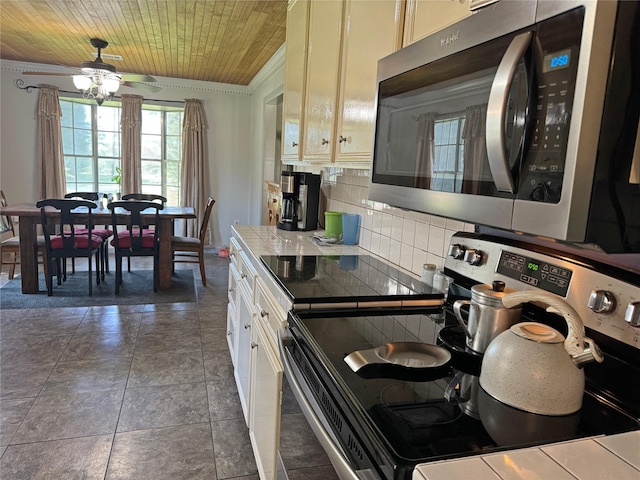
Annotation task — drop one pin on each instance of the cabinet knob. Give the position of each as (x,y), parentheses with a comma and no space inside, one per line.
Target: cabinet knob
(254,344)
(264,313)
(247,325)
(229,334)
(244,275)
(294,144)
(325,141)
(231,290)
(342,139)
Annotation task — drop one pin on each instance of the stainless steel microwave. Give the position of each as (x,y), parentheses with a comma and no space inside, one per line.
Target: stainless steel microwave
(524,117)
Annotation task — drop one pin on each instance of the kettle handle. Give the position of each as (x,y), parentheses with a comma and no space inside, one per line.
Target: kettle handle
(457,305)
(575,342)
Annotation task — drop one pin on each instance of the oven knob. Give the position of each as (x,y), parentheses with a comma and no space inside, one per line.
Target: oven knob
(473,257)
(456,251)
(632,315)
(601,301)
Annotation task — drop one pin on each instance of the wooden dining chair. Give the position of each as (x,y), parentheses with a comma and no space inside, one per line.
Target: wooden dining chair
(135,240)
(148,197)
(10,246)
(66,237)
(105,233)
(191,250)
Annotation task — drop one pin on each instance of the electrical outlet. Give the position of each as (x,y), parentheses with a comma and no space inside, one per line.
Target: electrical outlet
(236,222)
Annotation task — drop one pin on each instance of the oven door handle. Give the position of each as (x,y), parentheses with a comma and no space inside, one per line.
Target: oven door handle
(496,112)
(340,464)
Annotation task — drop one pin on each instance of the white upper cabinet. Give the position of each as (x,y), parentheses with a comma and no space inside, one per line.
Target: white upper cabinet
(424,17)
(325,35)
(345,39)
(295,65)
(372,30)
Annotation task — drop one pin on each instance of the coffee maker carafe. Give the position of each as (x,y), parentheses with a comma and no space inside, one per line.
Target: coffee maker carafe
(300,201)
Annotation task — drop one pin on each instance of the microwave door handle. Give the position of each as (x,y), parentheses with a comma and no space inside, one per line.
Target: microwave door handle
(496,111)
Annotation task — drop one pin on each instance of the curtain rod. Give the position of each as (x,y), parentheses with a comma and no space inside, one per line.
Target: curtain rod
(20,84)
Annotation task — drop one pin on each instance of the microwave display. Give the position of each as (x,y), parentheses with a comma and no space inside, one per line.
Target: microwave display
(556,61)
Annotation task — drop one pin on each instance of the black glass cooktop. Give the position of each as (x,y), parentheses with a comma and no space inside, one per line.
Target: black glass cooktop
(346,278)
(417,421)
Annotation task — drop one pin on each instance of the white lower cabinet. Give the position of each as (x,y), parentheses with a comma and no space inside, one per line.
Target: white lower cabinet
(266,392)
(242,365)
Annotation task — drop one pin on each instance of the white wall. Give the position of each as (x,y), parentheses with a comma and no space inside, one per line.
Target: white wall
(229,111)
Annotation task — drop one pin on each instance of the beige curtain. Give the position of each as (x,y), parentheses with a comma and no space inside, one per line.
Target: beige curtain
(475,149)
(425,151)
(51,174)
(194,179)
(131,147)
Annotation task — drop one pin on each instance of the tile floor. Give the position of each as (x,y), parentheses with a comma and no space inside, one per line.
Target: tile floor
(132,392)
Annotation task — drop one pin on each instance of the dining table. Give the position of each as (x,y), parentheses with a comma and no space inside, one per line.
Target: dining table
(29,218)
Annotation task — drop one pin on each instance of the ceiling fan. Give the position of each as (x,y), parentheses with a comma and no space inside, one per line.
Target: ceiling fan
(99,80)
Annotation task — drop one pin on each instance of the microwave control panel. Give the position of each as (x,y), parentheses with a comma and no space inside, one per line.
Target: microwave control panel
(555,60)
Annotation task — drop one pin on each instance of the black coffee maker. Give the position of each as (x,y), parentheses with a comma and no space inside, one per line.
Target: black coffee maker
(300,201)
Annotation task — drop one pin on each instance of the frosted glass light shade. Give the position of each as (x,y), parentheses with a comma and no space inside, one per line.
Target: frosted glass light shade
(111,85)
(81,82)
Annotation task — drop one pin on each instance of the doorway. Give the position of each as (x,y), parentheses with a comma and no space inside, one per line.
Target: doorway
(272,163)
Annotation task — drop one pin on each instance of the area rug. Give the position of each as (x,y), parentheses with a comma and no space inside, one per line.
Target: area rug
(137,288)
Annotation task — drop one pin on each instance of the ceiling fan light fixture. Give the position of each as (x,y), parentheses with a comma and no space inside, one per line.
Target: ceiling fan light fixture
(82,82)
(111,85)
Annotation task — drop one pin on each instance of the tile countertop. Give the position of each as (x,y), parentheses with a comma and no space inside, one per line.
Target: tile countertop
(615,457)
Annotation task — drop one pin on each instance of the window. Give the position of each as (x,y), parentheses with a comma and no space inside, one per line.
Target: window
(91,145)
(161,153)
(448,164)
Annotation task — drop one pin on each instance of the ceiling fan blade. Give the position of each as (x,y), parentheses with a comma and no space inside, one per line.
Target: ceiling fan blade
(53,74)
(135,77)
(142,86)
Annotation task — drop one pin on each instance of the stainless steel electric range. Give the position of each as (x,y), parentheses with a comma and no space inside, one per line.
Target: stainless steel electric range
(379,424)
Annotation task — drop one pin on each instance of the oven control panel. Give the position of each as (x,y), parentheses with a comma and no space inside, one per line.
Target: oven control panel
(547,276)
(605,303)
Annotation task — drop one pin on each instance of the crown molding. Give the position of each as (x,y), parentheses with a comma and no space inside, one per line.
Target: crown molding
(273,65)
(164,82)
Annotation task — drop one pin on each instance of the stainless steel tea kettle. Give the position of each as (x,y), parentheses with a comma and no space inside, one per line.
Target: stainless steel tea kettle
(532,367)
(488,316)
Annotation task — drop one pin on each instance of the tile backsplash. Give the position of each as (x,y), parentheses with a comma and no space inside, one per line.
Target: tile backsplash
(406,238)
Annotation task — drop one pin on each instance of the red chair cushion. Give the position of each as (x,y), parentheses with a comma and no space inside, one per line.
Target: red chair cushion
(103,233)
(124,240)
(80,241)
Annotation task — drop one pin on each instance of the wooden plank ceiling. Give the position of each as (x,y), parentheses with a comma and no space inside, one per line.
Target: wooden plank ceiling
(226,41)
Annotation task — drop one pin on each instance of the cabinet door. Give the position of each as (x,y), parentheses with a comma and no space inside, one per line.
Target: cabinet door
(242,365)
(372,30)
(325,34)
(294,77)
(231,328)
(424,17)
(266,389)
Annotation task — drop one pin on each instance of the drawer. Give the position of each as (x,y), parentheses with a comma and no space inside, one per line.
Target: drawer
(248,272)
(234,278)
(269,312)
(234,251)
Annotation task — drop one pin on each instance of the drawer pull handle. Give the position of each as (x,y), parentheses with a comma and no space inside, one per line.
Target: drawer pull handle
(254,344)
(294,144)
(247,326)
(325,141)
(342,139)
(264,313)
